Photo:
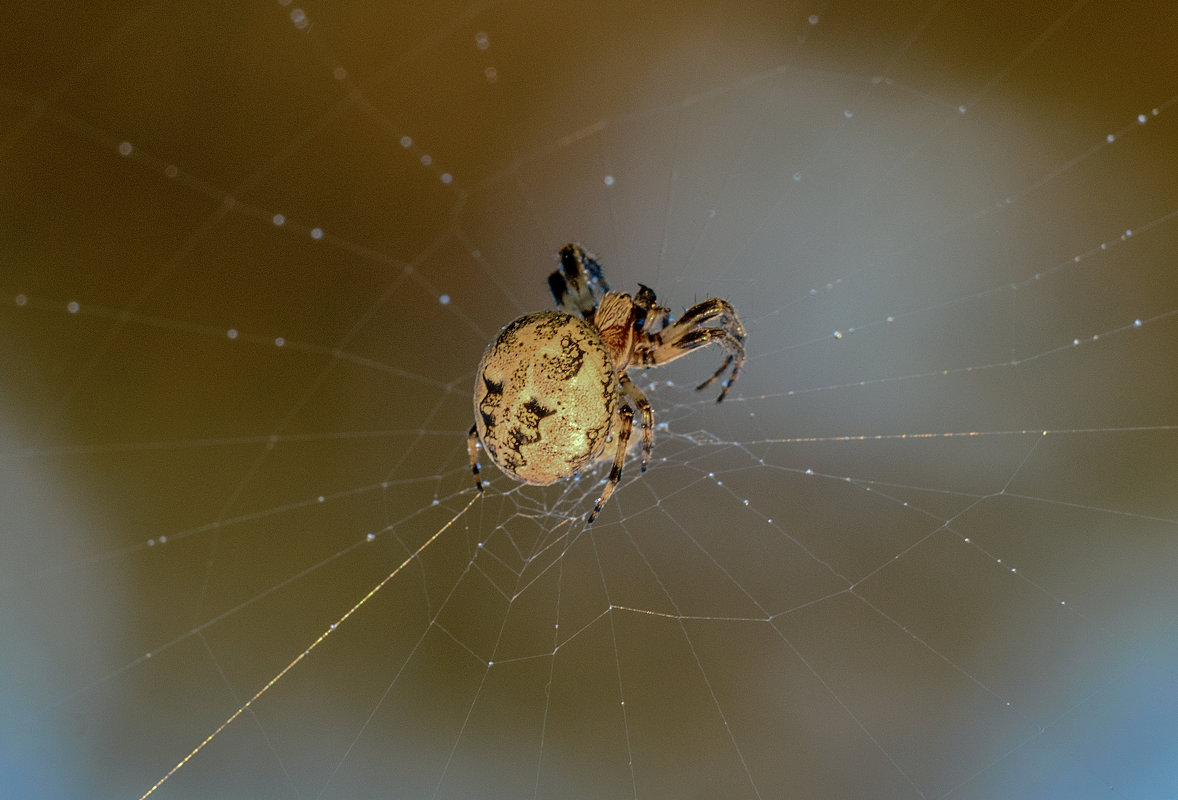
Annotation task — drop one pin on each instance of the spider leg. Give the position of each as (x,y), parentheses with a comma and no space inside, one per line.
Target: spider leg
(689,333)
(593,267)
(701,337)
(638,399)
(626,414)
(472,448)
(573,285)
(720,372)
(709,310)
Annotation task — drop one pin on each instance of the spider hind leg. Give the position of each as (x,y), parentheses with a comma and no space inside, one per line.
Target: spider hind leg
(578,283)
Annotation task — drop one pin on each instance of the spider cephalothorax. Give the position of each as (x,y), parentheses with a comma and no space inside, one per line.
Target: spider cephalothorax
(553,387)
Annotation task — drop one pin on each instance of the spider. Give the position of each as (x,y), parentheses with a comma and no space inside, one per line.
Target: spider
(553,389)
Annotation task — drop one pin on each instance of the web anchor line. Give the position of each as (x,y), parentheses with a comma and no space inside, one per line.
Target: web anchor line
(327,632)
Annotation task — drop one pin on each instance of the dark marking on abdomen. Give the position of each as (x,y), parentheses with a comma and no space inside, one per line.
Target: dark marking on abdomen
(535,413)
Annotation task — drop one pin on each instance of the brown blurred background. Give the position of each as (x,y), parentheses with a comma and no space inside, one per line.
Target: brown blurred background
(250,253)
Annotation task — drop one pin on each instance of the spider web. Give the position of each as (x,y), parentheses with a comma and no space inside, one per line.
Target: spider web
(251,254)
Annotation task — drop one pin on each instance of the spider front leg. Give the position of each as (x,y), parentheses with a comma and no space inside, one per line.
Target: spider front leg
(626,415)
(688,333)
(472,449)
(704,337)
(731,380)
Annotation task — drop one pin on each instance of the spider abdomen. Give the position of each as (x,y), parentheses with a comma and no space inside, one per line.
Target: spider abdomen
(545,395)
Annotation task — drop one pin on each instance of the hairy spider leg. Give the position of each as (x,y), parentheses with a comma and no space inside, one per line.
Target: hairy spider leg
(687,334)
(592,267)
(708,310)
(626,414)
(639,401)
(731,380)
(573,285)
(702,337)
(472,448)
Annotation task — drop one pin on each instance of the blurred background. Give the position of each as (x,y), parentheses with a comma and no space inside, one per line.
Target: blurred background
(251,253)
